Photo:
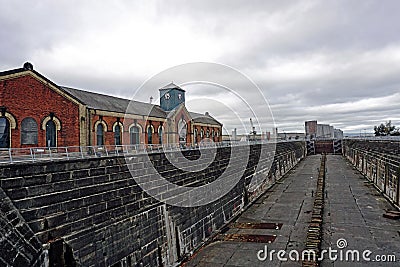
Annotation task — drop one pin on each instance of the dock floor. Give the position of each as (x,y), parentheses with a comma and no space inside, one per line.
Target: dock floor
(353,212)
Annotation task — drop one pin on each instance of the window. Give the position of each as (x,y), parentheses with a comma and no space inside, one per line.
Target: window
(160,133)
(208,134)
(4,133)
(201,134)
(195,135)
(150,134)
(134,135)
(51,134)
(29,132)
(117,135)
(182,130)
(100,134)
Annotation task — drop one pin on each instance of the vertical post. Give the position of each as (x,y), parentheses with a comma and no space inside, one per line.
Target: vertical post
(80,150)
(66,151)
(386,182)
(10,155)
(362,159)
(398,186)
(333,146)
(376,173)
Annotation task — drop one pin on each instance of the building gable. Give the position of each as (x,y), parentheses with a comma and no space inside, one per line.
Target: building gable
(18,73)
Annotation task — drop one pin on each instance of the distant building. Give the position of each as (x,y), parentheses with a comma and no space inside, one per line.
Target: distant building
(338,134)
(322,131)
(235,137)
(36,112)
(291,136)
(311,129)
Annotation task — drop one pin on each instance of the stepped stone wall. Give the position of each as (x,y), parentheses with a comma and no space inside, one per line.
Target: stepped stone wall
(93,212)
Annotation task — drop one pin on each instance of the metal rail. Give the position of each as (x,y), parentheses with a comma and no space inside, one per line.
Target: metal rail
(374,138)
(381,169)
(34,154)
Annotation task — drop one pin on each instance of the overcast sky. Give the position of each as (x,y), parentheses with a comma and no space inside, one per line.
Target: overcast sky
(337,62)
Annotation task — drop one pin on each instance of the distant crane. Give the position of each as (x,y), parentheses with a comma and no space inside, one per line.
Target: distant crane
(253,132)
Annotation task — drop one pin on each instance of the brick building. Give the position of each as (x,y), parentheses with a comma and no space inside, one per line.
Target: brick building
(36,112)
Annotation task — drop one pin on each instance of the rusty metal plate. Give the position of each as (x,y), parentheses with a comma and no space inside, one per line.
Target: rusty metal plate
(249,225)
(249,238)
(390,215)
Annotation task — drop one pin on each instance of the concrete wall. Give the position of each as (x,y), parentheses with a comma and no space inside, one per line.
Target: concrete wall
(379,161)
(92,212)
(324,131)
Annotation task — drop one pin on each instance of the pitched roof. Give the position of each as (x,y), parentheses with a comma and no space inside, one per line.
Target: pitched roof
(115,104)
(8,72)
(206,119)
(196,117)
(171,86)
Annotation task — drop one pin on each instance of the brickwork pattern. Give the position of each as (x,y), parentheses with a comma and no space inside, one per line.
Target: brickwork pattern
(27,97)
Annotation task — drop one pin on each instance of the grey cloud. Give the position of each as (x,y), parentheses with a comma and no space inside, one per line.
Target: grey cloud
(352,50)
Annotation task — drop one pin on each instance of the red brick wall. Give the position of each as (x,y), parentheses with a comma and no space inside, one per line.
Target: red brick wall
(204,128)
(109,135)
(26,96)
(323,147)
(111,120)
(155,136)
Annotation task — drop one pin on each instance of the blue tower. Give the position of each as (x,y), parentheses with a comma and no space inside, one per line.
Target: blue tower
(171,96)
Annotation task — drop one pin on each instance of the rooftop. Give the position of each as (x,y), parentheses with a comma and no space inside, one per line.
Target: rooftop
(116,104)
(171,85)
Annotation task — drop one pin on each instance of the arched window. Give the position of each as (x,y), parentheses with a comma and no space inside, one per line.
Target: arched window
(208,134)
(29,132)
(201,134)
(134,135)
(100,134)
(4,133)
(160,133)
(51,133)
(195,135)
(182,130)
(117,135)
(149,134)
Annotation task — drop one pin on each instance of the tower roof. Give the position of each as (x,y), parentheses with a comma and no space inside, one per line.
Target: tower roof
(171,85)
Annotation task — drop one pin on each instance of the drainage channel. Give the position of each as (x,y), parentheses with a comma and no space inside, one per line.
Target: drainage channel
(250,237)
(314,233)
(276,226)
